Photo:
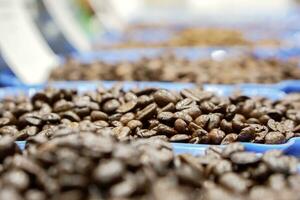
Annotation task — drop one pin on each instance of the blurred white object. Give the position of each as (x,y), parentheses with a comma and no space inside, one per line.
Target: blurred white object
(218,55)
(22,45)
(62,14)
(239,11)
(195,11)
(107,15)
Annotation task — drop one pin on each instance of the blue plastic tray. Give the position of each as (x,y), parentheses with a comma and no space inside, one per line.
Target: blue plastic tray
(283,26)
(292,147)
(7,78)
(82,86)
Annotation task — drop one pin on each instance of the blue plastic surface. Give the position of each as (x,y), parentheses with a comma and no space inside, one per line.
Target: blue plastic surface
(83,86)
(21,144)
(292,147)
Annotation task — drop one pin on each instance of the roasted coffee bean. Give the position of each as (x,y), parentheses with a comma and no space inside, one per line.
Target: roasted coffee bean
(244,158)
(35,195)
(281,164)
(274,138)
(16,179)
(4,121)
(189,94)
(226,126)
(202,120)
(82,112)
(127,107)
(179,138)
(200,133)
(248,134)
(133,124)
(98,115)
(9,130)
(180,125)
(230,138)
(146,133)
(62,106)
(31,119)
(10,193)
(232,148)
(164,129)
(110,106)
(184,116)
(153,123)
(7,147)
(109,171)
(51,117)
(72,116)
(147,112)
(28,131)
(221,167)
(216,136)
(115,117)
(238,122)
(234,182)
(129,96)
(101,123)
(144,100)
(213,122)
(165,116)
(207,106)
(168,108)
(116,123)
(185,103)
(127,117)
(164,97)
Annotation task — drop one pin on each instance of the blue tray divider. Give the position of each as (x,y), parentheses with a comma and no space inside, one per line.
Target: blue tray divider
(292,147)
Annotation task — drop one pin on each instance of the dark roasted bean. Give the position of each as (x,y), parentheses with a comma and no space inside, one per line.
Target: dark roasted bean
(164,129)
(98,115)
(216,136)
(127,117)
(180,126)
(127,107)
(230,138)
(179,138)
(164,97)
(274,138)
(147,112)
(165,116)
(244,158)
(110,106)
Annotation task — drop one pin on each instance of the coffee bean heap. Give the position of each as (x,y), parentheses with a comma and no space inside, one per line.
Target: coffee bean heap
(245,69)
(232,173)
(189,36)
(95,166)
(189,116)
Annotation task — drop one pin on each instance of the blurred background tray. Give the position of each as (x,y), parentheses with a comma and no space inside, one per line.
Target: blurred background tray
(7,78)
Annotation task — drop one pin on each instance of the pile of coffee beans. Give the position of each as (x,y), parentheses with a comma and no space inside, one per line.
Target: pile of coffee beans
(90,166)
(216,37)
(245,69)
(188,116)
(189,36)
